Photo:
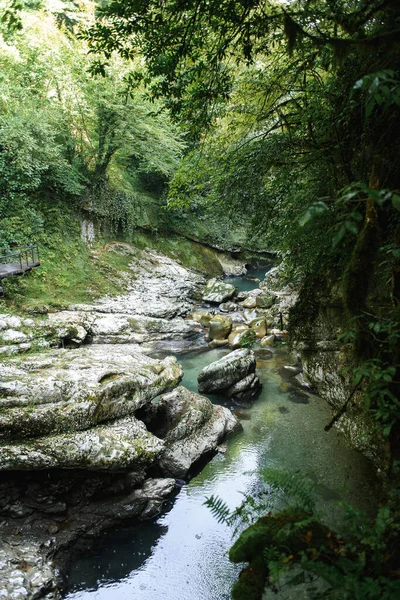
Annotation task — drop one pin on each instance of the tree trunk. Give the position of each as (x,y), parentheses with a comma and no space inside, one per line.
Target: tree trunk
(359,271)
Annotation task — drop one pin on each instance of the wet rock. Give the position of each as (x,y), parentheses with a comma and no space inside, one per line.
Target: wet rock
(220,327)
(245,389)
(263,354)
(298,397)
(202,317)
(249,302)
(301,382)
(217,291)
(249,316)
(227,371)
(268,340)
(228,307)
(265,302)
(218,343)
(259,327)
(189,425)
(236,337)
(288,372)
(154,492)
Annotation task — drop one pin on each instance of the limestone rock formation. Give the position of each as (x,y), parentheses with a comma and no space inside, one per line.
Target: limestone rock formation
(219,327)
(190,427)
(64,391)
(233,368)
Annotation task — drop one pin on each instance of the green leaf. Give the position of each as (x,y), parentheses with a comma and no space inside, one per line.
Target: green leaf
(369,107)
(352,227)
(339,236)
(396,201)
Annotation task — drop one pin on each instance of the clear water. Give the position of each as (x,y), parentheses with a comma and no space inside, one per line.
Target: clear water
(182,554)
(248,282)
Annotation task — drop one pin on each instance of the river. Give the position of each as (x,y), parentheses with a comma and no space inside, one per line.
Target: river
(182,554)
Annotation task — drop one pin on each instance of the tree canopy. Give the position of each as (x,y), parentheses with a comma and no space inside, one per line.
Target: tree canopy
(68,138)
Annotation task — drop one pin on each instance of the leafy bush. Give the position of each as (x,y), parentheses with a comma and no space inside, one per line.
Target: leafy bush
(357,566)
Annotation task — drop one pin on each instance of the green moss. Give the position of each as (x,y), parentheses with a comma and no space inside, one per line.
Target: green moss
(72,273)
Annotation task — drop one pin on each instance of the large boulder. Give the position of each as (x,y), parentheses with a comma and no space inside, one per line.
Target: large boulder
(249,316)
(230,369)
(268,340)
(65,391)
(249,302)
(189,425)
(236,337)
(259,327)
(218,291)
(265,301)
(201,316)
(245,389)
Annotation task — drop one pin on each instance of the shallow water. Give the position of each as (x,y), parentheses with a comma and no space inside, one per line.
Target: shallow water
(182,555)
(248,282)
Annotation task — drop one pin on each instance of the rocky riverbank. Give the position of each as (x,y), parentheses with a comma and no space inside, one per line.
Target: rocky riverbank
(94,431)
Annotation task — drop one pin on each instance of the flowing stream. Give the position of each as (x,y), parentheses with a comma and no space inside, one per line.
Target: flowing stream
(182,554)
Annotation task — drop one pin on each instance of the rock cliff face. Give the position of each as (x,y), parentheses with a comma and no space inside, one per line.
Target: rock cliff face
(95,432)
(323,361)
(327,364)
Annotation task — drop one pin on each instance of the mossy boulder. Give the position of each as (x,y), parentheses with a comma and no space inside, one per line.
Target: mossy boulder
(249,302)
(219,327)
(259,327)
(125,444)
(265,301)
(218,291)
(230,369)
(189,425)
(62,391)
(236,336)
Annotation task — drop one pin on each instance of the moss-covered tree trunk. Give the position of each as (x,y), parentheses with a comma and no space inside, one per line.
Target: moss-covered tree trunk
(359,271)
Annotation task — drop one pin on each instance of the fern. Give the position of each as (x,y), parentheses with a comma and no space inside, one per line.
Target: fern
(298,489)
(294,484)
(219,509)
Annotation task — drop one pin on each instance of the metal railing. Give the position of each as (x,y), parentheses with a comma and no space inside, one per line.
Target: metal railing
(24,256)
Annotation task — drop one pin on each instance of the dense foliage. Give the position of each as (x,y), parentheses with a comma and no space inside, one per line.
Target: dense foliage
(68,139)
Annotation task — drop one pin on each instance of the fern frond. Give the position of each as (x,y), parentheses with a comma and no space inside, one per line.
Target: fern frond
(294,484)
(219,509)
